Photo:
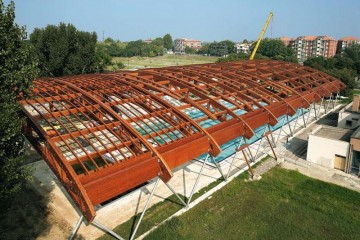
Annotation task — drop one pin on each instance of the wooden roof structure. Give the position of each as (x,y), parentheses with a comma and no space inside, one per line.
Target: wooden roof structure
(104,134)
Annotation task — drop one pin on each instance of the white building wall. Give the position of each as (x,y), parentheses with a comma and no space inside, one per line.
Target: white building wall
(322,150)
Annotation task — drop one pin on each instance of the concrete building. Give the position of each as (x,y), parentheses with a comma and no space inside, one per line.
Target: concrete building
(338,147)
(286,40)
(243,47)
(325,46)
(181,43)
(312,46)
(329,147)
(343,43)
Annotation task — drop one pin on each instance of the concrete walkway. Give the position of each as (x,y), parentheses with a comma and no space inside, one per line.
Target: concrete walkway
(327,175)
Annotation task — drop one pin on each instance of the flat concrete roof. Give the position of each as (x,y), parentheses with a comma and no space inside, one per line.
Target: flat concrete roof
(334,133)
(356,133)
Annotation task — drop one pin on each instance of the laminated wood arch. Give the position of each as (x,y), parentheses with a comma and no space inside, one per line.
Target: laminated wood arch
(104,134)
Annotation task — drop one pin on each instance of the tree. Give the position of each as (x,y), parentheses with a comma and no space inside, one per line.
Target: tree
(344,67)
(189,50)
(204,49)
(17,70)
(230,46)
(168,42)
(275,49)
(64,50)
(218,49)
(234,57)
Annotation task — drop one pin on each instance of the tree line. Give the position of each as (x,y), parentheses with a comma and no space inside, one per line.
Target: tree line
(156,47)
(344,66)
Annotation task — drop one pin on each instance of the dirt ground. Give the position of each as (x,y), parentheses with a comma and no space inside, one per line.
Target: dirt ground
(29,216)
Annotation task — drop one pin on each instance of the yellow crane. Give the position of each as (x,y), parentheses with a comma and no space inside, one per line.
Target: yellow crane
(261,36)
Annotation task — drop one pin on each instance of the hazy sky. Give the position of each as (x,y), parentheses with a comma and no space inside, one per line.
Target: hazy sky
(206,20)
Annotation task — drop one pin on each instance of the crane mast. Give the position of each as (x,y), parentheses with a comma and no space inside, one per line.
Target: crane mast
(261,36)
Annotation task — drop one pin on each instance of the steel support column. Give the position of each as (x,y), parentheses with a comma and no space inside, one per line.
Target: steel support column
(281,128)
(148,201)
(76,227)
(303,117)
(106,229)
(197,179)
(288,123)
(242,149)
(145,208)
(218,167)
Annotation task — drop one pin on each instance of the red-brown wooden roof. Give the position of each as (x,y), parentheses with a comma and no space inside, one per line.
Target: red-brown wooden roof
(103,134)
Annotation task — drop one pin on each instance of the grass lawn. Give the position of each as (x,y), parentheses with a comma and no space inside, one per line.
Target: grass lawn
(355,91)
(163,61)
(284,204)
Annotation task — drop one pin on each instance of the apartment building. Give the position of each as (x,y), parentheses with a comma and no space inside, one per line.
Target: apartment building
(181,43)
(286,40)
(312,46)
(343,43)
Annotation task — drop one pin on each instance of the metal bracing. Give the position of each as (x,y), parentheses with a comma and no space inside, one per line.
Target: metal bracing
(296,121)
(198,178)
(148,201)
(288,123)
(328,103)
(145,208)
(272,137)
(280,131)
(76,227)
(106,229)
(240,147)
(218,167)
(97,224)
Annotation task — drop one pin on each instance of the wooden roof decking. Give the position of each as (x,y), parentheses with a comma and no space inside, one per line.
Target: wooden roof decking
(103,134)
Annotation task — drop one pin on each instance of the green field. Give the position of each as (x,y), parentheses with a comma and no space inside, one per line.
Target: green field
(284,204)
(163,61)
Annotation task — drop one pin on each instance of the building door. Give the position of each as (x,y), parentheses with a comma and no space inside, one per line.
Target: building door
(339,162)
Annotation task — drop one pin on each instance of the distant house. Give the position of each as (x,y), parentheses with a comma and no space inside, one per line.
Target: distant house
(148,41)
(243,47)
(286,40)
(181,43)
(343,43)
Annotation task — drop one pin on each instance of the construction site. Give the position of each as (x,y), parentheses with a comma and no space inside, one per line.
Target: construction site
(110,138)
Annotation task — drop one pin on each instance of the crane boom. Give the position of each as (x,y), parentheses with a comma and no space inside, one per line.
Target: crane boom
(261,36)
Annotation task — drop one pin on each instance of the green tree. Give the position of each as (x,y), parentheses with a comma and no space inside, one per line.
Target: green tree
(103,57)
(64,50)
(133,48)
(204,49)
(234,57)
(189,50)
(218,49)
(158,42)
(343,67)
(17,70)
(274,49)
(230,46)
(168,42)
